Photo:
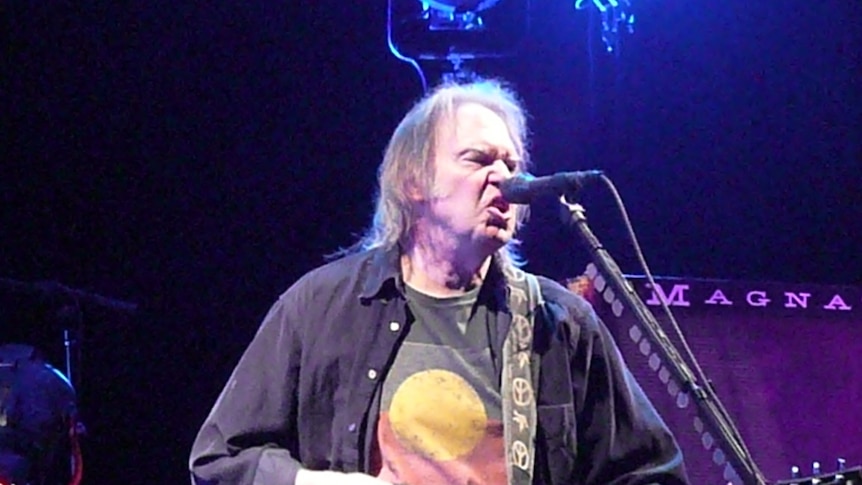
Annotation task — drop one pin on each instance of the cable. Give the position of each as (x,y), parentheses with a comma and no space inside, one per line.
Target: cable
(706,385)
(399,55)
(77,456)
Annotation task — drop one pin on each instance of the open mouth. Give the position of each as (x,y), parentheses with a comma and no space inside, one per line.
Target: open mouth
(496,219)
(498,211)
(498,223)
(500,204)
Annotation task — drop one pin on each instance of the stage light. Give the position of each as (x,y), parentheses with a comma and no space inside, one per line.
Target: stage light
(461,6)
(453,15)
(448,35)
(617,18)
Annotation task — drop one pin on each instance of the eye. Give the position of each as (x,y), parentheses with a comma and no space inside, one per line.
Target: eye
(481,158)
(488,158)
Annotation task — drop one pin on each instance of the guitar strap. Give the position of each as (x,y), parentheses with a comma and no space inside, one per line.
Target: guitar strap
(520,376)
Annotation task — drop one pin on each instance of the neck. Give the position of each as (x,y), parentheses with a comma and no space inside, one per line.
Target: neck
(442,270)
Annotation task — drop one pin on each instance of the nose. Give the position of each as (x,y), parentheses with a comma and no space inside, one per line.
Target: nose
(500,171)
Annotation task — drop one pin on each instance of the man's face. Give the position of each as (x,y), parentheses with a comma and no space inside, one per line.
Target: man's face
(474,152)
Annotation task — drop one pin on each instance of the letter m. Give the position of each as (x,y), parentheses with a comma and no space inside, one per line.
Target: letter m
(676,297)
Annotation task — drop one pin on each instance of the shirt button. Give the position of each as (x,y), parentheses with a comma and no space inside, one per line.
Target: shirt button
(351,427)
(394,326)
(372,374)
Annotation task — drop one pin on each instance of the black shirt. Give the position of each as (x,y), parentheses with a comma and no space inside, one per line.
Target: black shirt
(305,393)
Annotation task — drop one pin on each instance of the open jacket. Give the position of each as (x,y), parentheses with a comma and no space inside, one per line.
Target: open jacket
(305,393)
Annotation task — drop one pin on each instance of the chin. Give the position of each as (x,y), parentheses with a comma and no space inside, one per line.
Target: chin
(496,238)
(492,237)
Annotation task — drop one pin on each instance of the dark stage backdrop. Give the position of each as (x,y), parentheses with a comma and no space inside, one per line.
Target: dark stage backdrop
(783,358)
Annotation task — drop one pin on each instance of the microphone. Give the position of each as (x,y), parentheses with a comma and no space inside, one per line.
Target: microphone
(523,188)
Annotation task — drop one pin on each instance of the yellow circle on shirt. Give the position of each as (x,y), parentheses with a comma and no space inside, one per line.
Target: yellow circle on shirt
(438,414)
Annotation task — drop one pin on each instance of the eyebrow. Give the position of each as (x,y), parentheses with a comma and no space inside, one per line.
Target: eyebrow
(491,150)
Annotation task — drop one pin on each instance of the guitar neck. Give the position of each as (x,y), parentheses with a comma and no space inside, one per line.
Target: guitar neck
(850,476)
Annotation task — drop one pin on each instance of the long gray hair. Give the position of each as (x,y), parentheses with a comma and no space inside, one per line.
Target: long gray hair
(408,162)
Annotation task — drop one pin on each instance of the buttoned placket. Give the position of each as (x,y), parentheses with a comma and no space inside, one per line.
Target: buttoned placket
(384,338)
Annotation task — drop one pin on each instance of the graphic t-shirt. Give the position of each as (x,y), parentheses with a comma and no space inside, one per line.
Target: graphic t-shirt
(441,411)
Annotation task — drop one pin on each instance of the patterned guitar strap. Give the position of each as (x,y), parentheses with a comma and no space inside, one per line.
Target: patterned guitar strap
(520,373)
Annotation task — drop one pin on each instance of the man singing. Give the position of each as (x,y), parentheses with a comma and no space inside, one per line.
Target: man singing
(423,354)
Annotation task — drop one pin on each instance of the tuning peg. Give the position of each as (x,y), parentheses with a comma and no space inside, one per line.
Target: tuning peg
(794,471)
(839,474)
(815,468)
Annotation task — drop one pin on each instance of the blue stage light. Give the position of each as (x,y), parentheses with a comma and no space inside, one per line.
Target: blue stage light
(617,18)
(448,35)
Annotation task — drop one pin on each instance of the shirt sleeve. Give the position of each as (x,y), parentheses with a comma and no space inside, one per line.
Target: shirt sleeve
(249,437)
(622,438)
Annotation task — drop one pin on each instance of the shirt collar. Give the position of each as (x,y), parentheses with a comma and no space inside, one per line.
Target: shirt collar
(382,273)
(383,277)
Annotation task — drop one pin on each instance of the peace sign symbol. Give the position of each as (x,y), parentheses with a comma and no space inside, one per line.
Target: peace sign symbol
(522,391)
(523,330)
(520,455)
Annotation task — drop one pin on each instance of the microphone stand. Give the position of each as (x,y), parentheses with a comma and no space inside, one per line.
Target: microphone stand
(704,397)
(70,314)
